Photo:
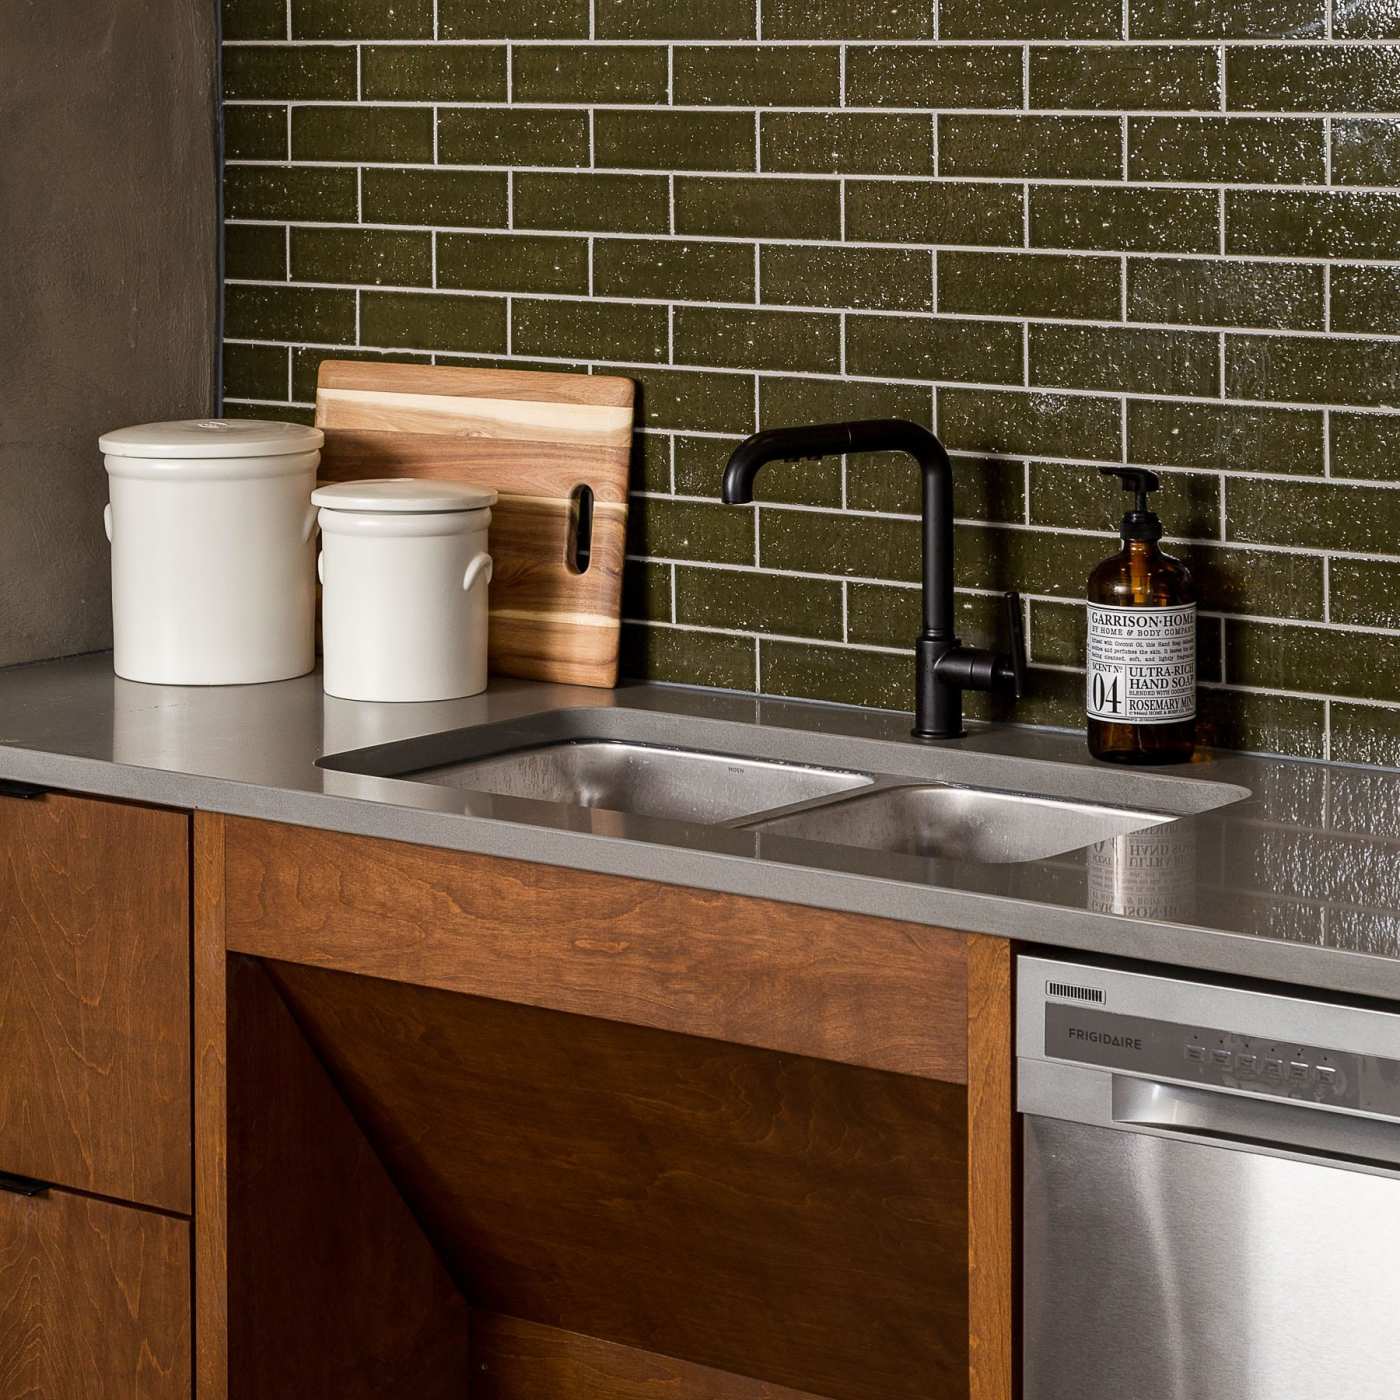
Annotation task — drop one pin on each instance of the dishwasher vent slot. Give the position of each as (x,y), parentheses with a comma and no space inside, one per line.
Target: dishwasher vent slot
(1065,989)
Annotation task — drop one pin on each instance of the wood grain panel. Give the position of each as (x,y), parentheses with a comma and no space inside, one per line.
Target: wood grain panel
(993,1247)
(844,987)
(94,1300)
(515,1360)
(94,997)
(535,438)
(790,1219)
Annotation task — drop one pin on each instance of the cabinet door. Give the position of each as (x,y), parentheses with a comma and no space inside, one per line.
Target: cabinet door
(94,997)
(94,1301)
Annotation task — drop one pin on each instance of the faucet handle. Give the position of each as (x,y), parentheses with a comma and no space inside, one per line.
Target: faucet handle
(1015,671)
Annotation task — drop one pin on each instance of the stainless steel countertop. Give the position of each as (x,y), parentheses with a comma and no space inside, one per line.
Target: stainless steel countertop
(1298,881)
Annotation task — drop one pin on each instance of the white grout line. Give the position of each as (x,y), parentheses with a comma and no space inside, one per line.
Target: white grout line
(1303,48)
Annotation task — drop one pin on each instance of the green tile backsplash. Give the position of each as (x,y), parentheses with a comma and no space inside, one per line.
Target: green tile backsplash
(1063,233)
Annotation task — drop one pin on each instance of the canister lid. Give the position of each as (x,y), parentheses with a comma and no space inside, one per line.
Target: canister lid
(212,437)
(405,494)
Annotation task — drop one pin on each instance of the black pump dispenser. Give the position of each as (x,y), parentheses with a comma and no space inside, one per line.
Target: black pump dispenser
(1140,523)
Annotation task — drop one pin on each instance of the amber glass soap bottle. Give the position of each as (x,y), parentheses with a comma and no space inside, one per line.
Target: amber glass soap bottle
(1141,663)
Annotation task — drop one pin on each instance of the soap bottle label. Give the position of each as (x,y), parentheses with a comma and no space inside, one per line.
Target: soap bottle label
(1141,664)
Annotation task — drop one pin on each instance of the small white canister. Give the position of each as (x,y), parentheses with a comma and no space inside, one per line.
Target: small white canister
(404,570)
(211,526)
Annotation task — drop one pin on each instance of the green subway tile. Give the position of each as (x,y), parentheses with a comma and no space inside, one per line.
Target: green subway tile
(794,607)
(366,256)
(847,19)
(1074,148)
(788,402)
(306,365)
(512,136)
(257,252)
(686,401)
(1251,581)
(1079,498)
(933,77)
(756,208)
(1281,724)
(587,203)
(646,591)
(984,488)
(1315,78)
(253,19)
(362,19)
(255,133)
(1358,665)
(1125,219)
(354,134)
(1029,424)
(588,329)
(294,73)
(440,198)
(700,464)
(710,533)
(1313,370)
(874,279)
(512,262)
(1194,292)
(1121,358)
(1365,734)
(1314,515)
(683,269)
(756,77)
(871,143)
(1033,561)
(865,546)
(1030,284)
(255,372)
(1367,19)
(1225,437)
(289,413)
(893,211)
(876,679)
(781,340)
(941,348)
(677,657)
(583,73)
(1365,592)
(882,615)
(1057,638)
(1115,78)
(1366,446)
(1227,19)
(509,19)
(1366,299)
(426,322)
(434,73)
(662,140)
(1313,224)
(1031,19)
(651,462)
(664,19)
(289,313)
(1227,150)
(1366,151)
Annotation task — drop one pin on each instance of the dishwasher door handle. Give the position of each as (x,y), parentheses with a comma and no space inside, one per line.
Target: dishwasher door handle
(1254,1122)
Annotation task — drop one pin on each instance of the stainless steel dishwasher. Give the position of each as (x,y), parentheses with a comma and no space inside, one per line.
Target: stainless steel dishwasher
(1211,1189)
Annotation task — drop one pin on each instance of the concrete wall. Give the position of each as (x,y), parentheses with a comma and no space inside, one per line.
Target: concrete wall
(108,281)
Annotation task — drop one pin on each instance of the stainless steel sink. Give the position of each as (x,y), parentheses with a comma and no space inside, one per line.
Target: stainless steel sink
(958,823)
(646,780)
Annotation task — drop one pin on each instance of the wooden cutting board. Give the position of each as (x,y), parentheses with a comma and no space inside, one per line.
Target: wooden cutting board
(539,440)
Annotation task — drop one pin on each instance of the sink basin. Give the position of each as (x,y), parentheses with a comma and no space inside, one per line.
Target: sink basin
(647,780)
(960,824)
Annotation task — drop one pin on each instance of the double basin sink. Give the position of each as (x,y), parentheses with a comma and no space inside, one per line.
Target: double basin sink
(614,765)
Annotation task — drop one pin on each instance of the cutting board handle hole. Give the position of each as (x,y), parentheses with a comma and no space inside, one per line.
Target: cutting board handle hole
(580,528)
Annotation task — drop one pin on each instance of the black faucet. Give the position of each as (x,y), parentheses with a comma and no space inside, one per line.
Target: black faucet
(943,667)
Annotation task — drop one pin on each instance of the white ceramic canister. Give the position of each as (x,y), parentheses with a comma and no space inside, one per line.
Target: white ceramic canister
(404,573)
(211,526)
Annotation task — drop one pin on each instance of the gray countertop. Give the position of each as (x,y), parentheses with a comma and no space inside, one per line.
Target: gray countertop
(1274,869)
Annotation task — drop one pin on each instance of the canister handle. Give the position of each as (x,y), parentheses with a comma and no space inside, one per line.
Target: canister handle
(479,566)
(321,565)
(107,520)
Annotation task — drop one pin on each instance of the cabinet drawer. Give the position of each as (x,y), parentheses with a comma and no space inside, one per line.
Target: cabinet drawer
(94,997)
(94,1300)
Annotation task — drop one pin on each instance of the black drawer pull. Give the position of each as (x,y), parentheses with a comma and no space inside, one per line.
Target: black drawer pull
(22,1185)
(9,787)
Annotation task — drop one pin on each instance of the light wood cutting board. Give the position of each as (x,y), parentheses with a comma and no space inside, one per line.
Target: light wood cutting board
(537,439)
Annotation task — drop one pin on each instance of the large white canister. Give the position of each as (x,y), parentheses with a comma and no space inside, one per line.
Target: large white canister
(404,573)
(213,560)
